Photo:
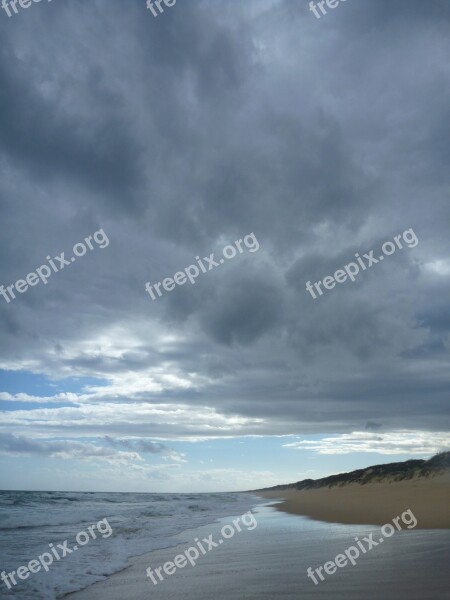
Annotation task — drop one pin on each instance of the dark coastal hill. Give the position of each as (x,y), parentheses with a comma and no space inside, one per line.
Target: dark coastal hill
(378,473)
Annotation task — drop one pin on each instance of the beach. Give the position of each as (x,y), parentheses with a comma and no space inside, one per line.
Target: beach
(271,561)
(373,503)
(267,556)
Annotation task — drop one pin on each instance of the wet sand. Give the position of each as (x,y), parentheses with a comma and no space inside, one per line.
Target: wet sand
(272,561)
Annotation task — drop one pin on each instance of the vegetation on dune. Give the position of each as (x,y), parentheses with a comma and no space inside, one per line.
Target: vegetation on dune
(399,471)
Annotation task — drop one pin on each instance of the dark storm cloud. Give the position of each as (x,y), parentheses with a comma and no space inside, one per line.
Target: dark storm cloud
(46,142)
(249,308)
(183,133)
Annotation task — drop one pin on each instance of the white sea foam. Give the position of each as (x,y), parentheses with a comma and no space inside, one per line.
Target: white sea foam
(29,521)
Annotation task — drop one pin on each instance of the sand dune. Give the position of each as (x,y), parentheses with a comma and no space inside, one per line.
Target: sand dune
(373,503)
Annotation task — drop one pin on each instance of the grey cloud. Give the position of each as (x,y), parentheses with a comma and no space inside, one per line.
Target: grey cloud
(37,136)
(174,134)
(140,445)
(65,449)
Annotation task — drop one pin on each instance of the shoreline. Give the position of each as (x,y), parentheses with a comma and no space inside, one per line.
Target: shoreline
(351,504)
(133,576)
(371,504)
(276,555)
(129,575)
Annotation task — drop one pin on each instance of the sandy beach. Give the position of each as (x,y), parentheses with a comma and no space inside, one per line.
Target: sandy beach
(375,504)
(271,561)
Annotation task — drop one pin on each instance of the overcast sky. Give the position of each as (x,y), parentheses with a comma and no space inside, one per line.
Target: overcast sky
(177,135)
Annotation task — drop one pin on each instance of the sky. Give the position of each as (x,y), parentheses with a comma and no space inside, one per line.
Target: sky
(166,139)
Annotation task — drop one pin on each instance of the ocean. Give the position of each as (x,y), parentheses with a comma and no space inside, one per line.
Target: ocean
(140,523)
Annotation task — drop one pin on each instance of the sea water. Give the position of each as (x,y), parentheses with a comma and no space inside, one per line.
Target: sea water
(30,521)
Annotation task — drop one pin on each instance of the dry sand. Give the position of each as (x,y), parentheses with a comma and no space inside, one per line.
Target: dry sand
(373,504)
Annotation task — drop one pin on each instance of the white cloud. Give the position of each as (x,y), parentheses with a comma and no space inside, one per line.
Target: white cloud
(394,442)
(163,421)
(57,398)
(439,267)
